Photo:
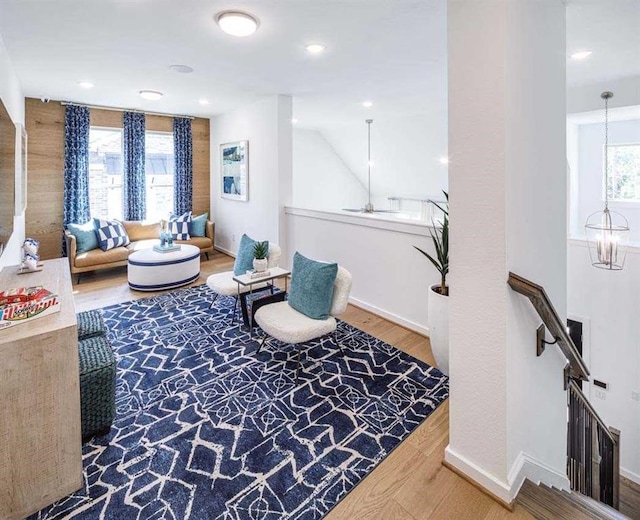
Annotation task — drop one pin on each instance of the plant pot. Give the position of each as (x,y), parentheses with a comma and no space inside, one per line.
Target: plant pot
(438,323)
(260,265)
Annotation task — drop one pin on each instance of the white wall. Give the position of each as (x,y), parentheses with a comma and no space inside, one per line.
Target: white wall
(405,152)
(610,302)
(590,172)
(13,98)
(390,277)
(507,407)
(321,179)
(266,124)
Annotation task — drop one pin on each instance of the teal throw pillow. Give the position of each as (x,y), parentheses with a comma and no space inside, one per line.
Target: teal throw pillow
(85,234)
(244,257)
(197,226)
(312,284)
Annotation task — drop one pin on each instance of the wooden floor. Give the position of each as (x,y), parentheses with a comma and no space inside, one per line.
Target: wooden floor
(411,483)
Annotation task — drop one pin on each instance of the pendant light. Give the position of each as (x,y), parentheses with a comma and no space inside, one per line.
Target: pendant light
(368,207)
(606,230)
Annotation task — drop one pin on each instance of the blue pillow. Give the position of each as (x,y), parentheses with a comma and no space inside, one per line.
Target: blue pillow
(85,234)
(110,234)
(198,225)
(179,226)
(244,257)
(312,284)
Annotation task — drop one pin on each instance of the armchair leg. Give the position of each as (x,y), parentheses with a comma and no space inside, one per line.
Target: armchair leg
(215,297)
(298,363)
(261,343)
(235,306)
(337,342)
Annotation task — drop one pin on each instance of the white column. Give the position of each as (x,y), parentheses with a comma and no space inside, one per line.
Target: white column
(507,179)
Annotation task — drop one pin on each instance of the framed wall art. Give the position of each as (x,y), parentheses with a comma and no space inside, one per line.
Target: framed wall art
(234,170)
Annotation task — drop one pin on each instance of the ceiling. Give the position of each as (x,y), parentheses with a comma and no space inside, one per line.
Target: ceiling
(392,52)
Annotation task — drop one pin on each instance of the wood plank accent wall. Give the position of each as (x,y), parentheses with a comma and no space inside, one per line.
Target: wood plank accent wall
(45,127)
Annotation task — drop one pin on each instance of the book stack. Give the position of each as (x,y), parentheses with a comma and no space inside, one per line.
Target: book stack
(166,249)
(25,304)
(252,273)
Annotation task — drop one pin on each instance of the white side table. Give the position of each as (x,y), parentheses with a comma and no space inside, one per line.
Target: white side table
(244,280)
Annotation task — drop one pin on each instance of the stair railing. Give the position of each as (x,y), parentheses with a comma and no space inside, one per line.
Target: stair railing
(593,460)
(593,449)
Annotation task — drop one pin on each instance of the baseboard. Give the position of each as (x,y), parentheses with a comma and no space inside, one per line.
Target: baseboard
(498,490)
(225,251)
(527,467)
(633,477)
(407,324)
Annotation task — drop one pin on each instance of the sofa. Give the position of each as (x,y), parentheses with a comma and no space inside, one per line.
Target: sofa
(142,235)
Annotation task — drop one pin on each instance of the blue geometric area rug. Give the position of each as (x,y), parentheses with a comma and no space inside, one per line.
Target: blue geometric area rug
(207,429)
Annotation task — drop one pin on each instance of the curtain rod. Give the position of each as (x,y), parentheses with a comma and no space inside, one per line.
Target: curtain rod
(115,109)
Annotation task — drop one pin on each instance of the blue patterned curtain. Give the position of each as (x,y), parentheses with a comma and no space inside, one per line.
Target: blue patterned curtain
(76,167)
(183,182)
(134,193)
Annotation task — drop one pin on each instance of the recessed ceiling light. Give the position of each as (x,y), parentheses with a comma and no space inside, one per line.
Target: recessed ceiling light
(444,160)
(203,101)
(315,48)
(182,69)
(237,23)
(85,84)
(581,55)
(151,95)
(293,120)
(367,104)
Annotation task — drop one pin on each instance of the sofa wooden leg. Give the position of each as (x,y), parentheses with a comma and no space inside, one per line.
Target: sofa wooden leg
(78,280)
(207,255)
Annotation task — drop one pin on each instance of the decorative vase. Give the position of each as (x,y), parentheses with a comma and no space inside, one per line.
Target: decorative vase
(438,323)
(260,264)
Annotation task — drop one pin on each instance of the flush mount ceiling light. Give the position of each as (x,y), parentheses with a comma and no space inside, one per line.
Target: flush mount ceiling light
(182,69)
(367,104)
(203,101)
(85,84)
(293,120)
(151,95)
(237,23)
(606,230)
(444,160)
(581,55)
(315,48)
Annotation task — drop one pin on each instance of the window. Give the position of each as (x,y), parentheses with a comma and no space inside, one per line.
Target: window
(105,172)
(106,166)
(624,172)
(159,171)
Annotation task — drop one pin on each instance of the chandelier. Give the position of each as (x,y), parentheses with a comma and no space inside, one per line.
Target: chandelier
(606,229)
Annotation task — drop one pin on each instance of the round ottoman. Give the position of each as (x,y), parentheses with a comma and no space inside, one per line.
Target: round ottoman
(149,270)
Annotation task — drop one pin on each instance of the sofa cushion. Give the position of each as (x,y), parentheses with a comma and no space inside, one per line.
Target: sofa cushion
(99,257)
(85,234)
(143,244)
(142,230)
(201,242)
(198,225)
(179,226)
(111,234)
(312,284)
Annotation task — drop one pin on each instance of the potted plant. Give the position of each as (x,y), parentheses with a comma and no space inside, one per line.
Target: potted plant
(438,316)
(260,252)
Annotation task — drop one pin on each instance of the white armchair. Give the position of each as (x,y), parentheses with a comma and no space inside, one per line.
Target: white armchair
(284,323)
(223,284)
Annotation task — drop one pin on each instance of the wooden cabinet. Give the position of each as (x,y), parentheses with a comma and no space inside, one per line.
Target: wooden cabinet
(40,444)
